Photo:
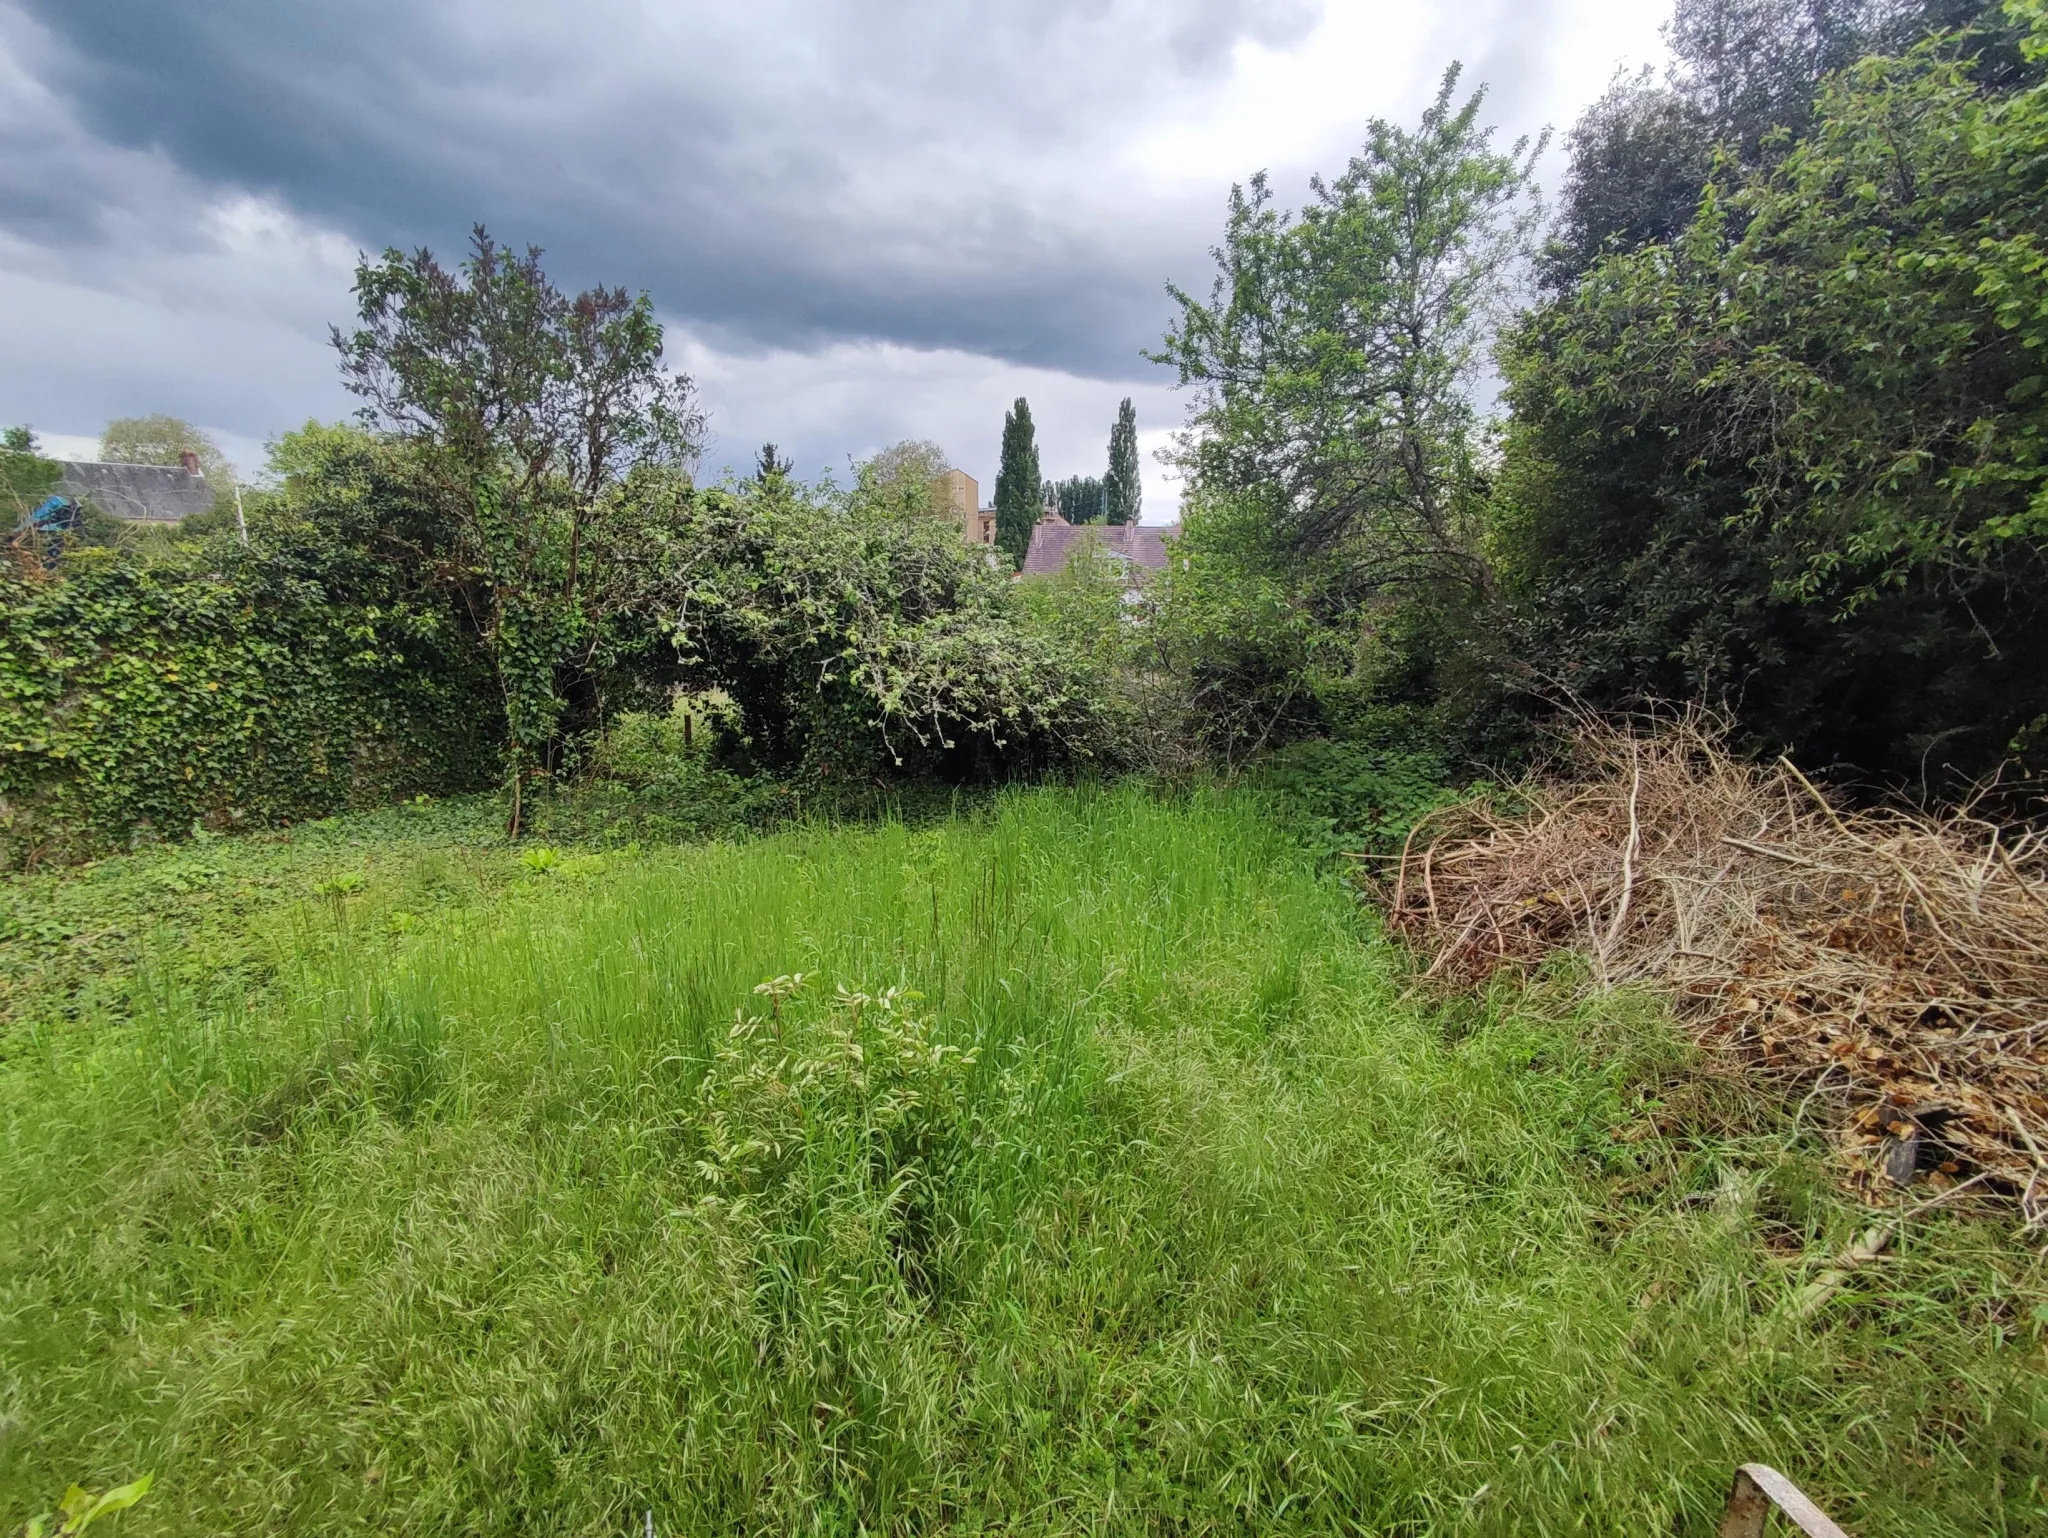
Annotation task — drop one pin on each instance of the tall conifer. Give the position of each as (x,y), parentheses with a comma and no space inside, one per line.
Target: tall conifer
(1020,493)
(1126,492)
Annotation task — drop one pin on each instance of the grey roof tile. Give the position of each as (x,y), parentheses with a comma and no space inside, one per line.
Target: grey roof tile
(143,493)
(1054,542)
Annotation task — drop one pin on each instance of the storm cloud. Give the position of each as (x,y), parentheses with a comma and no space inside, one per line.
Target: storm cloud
(945,201)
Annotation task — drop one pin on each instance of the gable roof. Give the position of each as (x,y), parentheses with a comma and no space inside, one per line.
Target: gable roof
(143,493)
(1054,542)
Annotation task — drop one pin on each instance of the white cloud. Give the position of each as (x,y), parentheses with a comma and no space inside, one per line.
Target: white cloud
(843,402)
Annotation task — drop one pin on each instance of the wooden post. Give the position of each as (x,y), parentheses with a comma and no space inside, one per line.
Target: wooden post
(1759,1487)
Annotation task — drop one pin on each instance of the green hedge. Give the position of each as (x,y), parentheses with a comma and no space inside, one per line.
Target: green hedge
(142,699)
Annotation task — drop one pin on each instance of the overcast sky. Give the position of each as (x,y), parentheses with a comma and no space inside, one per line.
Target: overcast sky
(861,221)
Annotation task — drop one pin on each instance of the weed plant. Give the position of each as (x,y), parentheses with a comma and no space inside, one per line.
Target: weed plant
(1077,1164)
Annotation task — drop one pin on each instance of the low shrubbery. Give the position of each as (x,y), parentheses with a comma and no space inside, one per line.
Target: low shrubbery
(1356,799)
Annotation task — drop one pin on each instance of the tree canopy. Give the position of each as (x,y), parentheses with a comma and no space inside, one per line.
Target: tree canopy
(1332,361)
(528,411)
(1020,491)
(1124,485)
(164,440)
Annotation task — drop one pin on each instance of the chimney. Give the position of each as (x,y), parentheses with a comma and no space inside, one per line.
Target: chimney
(189,460)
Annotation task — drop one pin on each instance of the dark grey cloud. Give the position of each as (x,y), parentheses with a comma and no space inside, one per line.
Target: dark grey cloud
(863,219)
(794,174)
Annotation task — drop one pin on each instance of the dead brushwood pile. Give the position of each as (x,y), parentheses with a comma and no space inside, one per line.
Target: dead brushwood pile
(1899,959)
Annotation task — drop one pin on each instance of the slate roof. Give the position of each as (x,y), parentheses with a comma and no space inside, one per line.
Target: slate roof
(1054,542)
(144,493)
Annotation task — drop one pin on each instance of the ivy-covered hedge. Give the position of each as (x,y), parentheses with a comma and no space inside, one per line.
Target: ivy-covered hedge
(142,699)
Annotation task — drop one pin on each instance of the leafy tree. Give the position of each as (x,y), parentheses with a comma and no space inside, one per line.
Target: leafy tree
(1020,494)
(163,440)
(771,468)
(532,415)
(1244,632)
(909,476)
(1333,358)
(1743,84)
(1795,459)
(1079,498)
(1126,491)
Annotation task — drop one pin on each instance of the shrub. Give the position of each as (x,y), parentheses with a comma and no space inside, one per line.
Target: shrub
(141,698)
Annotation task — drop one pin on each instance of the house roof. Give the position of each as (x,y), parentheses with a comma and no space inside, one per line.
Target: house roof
(1054,542)
(145,493)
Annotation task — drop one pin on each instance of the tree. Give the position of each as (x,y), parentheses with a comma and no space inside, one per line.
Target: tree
(163,440)
(1079,498)
(531,413)
(1125,489)
(1793,459)
(1742,86)
(1333,359)
(1020,493)
(771,468)
(909,476)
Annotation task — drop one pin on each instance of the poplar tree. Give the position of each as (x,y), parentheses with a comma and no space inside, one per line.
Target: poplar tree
(1020,492)
(1126,493)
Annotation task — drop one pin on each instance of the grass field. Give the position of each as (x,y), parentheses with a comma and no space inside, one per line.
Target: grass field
(1149,1200)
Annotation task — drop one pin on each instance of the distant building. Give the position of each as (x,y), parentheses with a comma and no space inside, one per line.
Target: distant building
(140,493)
(1139,547)
(963,494)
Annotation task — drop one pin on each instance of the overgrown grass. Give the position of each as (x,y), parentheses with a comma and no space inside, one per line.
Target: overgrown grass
(1155,1205)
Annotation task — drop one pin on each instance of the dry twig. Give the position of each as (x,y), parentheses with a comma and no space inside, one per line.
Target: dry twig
(1909,952)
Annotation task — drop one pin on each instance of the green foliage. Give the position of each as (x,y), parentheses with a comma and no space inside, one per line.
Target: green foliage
(164,440)
(1020,493)
(828,1144)
(657,775)
(907,475)
(1794,459)
(772,468)
(80,1508)
(536,420)
(216,688)
(859,643)
(1740,93)
(1247,630)
(1349,798)
(26,478)
(1124,485)
(1079,498)
(1169,1204)
(1333,356)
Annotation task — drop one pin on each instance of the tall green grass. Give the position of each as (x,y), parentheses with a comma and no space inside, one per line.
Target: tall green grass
(1149,1202)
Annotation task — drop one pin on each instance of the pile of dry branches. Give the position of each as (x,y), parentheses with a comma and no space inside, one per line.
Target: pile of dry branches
(1902,959)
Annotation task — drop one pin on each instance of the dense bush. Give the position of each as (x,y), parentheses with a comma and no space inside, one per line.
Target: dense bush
(1350,798)
(1792,461)
(1784,458)
(141,698)
(661,776)
(860,645)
